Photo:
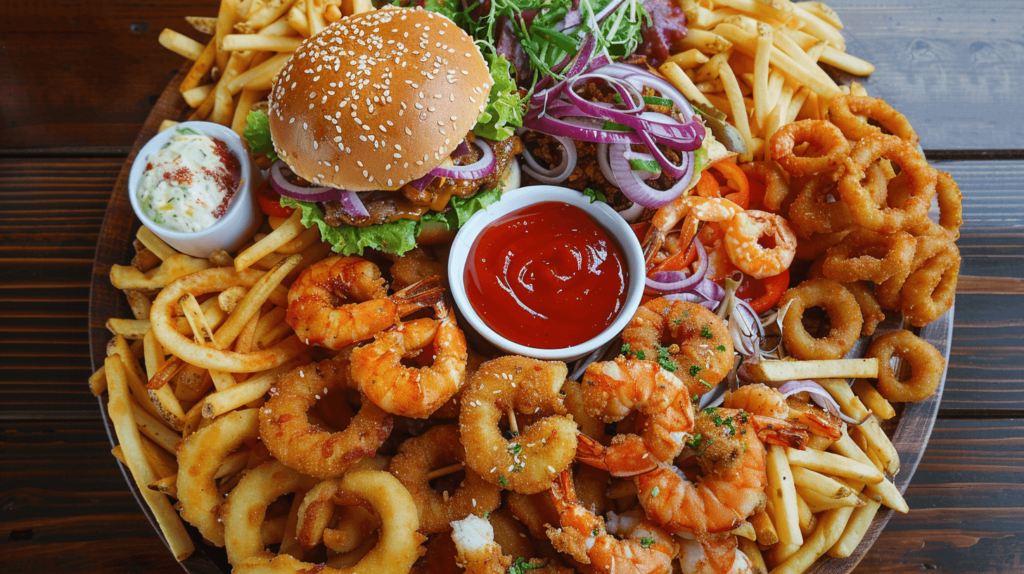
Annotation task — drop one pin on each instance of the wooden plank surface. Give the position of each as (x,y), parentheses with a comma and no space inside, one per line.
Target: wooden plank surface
(953,67)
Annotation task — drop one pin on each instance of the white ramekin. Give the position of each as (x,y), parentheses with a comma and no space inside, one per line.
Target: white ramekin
(243,216)
(606,218)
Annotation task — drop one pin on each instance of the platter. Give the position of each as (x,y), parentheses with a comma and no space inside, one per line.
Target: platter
(910,429)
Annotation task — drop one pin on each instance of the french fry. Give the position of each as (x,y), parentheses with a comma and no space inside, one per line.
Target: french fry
(830,529)
(241,394)
(779,11)
(705,41)
(152,354)
(245,340)
(351,7)
(131,447)
(879,444)
(778,117)
(781,552)
(819,502)
(811,480)
(243,107)
(689,59)
(134,375)
(155,244)
(201,330)
(818,28)
(834,465)
(855,529)
(753,553)
(280,236)
(98,381)
(131,329)
(267,14)
(873,400)
(796,104)
(297,18)
(777,371)
(155,429)
(304,241)
(683,83)
(763,528)
(791,49)
(846,62)
(761,60)
(315,16)
(221,258)
(745,530)
(250,304)
(180,44)
(197,95)
(289,542)
(202,24)
(709,71)
(200,68)
(167,485)
(782,493)
(227,16)
(128,277)
(824,12)
(807,520)
(223,106)
(228,299)
(739,110)
(258,42)
(259,77)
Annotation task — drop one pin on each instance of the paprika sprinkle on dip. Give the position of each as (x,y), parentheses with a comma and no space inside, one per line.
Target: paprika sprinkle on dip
(546,276)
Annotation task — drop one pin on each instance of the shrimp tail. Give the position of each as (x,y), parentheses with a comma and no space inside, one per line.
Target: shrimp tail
(652,244)
(817,424)
(419,295)
(621,459)
(780,432)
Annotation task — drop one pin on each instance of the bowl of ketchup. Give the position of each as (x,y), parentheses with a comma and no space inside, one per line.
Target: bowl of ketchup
(547,274)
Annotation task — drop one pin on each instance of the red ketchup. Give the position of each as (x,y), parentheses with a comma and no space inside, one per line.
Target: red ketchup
(546,276)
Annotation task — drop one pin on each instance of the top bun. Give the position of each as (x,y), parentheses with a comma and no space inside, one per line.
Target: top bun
(377,100)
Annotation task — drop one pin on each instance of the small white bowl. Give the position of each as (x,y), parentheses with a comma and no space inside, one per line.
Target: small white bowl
(603,215)
(239,222)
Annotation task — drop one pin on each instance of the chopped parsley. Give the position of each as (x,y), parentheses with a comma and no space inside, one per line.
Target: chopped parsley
(677,321)
(521,565)
(743,416)
(640,354)
(705,383)
(625,349)
(694,369)
(720,348)
(667,364)
(502,481)
(655,491)
(516,448)
(646,542)
(695,442)
(706,332)
(595,195)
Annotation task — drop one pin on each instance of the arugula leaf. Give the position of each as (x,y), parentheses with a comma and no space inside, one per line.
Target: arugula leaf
(444,7)
(504,110)
(394,237)
(257,133)
(595,195)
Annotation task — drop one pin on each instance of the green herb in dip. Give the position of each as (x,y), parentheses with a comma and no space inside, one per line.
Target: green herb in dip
(189,183)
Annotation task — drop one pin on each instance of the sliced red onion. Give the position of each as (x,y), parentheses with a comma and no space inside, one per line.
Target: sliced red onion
(461,149)
(633,186)
(286,188)
(640,77)
(422,183)
(710,290)
(476,170)
(352,205)
(560,172)
(665,282)
(820,396)
(632,212)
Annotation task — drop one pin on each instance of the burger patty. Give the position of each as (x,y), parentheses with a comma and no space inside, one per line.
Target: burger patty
(408,203)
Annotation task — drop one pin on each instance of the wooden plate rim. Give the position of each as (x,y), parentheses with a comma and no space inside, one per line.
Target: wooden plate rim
(114,247)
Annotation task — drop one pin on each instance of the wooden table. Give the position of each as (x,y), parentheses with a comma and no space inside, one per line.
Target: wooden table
(76,82)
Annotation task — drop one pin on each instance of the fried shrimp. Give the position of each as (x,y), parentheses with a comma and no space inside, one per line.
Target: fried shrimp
(436,448)
(701,208)
(288,435)
(849,114)
(531,460)
(617,388)
(745,235)
(408,391)
(761,400)
(713,556)
(685,336)
(824,138)
(199,457)
(399,544)
(926,366)
(844,315)
(477,551)
(343,300)
(582,535)
(415,266)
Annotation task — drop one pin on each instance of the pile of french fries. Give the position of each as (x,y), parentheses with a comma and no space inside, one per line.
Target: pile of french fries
(251,41)
(757,62)
(155,398)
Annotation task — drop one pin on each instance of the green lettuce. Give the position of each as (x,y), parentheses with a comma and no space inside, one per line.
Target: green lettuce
(504,111)
(462,208)
(257,133)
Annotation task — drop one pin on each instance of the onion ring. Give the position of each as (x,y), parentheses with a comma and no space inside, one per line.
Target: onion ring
(399,545)
(528,462)
(294,441)
(870,308)
(843,112)
(817,244)
(843,312)
(890,291)
(868,256)
(811,211)
(951,209)
(199,457)
(928,291)
(926,366)
(867,211)
(436,448)
(822,135)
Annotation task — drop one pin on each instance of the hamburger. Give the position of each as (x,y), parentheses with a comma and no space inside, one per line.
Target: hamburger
(372,124)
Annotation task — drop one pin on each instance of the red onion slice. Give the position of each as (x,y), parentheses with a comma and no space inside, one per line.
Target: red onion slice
(422,183)
(820,396)
(665,282)
(286,188)
(476,170)
(635,189)
(557,174)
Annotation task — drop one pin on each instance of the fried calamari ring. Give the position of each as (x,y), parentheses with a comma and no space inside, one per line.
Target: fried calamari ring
(843,112)
(816,210)
(951,208)
(290,437)
(865,255)
(776,189)
(246,506)
(743,238)
(817,244)
(867,211)
(399,545)
(843,312)
(511,534)
(199,457)
(928,291)
(439,447)
(926,366)
(530,461)
(890,291)
(319,507)
(870,308)
(823,137)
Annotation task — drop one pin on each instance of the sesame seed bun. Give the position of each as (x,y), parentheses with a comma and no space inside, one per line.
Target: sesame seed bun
(378,99)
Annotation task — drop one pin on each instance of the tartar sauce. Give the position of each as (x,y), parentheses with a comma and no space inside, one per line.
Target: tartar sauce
(189,183)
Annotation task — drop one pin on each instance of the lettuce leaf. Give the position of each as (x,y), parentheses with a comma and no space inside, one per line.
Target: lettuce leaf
(504,110)
(462,208)
(595,195)
(257,133)
(394,237)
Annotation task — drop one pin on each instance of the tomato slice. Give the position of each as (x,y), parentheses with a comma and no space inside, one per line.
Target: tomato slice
(270,201)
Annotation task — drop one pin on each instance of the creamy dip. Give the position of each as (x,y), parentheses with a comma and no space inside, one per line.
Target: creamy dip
(189,183)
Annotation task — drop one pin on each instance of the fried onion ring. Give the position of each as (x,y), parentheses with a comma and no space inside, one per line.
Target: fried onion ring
(817,244)
(399,545)
(890,291)
(926,366)
(868,256)
(951,208)
(843,112)
(844,315)
(929,290)
(870,308)
(290,437)
(776,189)
(528,462)
(199,457)
(863,202)
(822,136)
(816,209)
(246,506)
(436,448)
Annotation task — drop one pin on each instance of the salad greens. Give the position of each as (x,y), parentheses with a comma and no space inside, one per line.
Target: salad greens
(257,133)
